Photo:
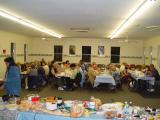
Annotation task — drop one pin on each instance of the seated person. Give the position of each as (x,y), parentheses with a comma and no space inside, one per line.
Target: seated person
(66,64)
(83,71)
(125,75)
(33,70)
(33,77)
(116,75)
(41,74)
(72,73)
(138,71)
(92,72)
(122,67)
(45,67)
(56,71)
(117,68)
(154,72)
(147,70)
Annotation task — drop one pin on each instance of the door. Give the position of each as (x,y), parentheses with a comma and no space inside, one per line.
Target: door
(86,53)
(25,52)
(13,50)
(58,49)
(115,54)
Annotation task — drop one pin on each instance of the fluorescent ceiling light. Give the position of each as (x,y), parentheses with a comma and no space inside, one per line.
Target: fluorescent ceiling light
(80,29)
(134,15)
(28,23)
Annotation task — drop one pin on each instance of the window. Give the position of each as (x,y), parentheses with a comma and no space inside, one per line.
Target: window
(86,53)
(58,49)
(115,54)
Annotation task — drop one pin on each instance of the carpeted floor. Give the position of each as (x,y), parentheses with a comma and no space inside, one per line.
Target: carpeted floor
(138,98)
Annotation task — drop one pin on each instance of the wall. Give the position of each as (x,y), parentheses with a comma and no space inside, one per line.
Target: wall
(154,43)
(130,52)
(5,40)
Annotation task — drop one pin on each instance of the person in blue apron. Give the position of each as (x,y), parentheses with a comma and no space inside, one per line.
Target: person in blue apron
(12,84)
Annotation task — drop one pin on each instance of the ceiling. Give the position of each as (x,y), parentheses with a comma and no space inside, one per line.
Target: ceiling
(101,17)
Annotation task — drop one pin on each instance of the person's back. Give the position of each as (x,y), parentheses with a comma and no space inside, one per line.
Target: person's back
(41,71)
(33,72)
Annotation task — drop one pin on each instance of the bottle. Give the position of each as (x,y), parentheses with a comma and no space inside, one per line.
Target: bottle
(92,104)
(126,106)
(126,110)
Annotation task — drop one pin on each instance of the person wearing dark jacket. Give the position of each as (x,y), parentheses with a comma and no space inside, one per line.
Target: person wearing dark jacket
(154,72)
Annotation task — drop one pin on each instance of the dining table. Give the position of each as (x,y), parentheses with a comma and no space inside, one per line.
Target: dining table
(104,78)
(140,76)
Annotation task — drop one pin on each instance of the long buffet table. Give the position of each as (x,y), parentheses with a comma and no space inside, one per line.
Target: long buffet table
(41,114)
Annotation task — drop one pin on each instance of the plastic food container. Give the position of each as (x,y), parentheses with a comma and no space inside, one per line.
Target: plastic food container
(51,106)
(68,103)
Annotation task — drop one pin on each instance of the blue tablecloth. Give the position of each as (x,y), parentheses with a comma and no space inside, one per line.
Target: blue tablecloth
(39,116)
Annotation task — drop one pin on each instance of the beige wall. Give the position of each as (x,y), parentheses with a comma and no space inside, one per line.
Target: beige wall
(128,50)
(154,43)
(44,49)
(5,40)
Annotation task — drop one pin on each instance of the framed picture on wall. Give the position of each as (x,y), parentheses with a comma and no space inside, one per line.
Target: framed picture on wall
(72,50)
(100,50)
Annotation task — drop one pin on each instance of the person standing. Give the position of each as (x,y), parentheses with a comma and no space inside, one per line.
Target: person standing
(12,84)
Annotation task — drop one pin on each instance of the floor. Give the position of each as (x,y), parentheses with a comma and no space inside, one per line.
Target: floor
(119,95)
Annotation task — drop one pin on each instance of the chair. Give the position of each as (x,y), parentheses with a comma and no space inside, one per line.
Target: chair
(117,79)
(157,85)
(33,82)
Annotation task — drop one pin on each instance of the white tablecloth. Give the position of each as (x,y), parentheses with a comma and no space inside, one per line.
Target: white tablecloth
(149,79)
(104,78)
(23,73)
(63,74)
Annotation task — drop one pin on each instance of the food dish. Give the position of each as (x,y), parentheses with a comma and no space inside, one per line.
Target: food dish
(112,106)
(51,106)
(51,99)
(110,114)
(108,107)
(11,106)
